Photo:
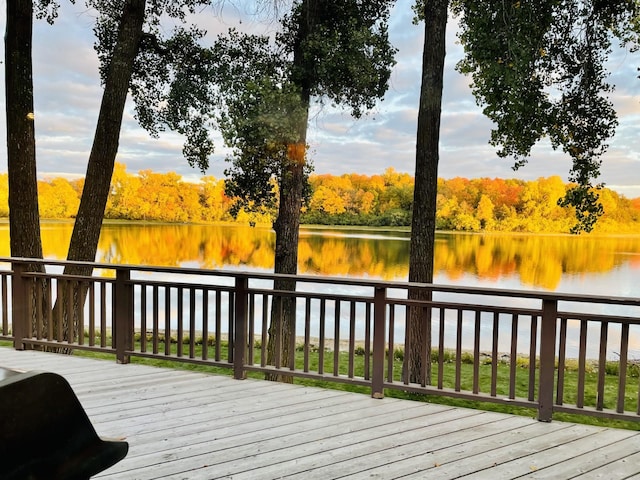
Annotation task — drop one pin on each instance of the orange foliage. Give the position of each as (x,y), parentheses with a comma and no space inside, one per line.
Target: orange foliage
(297,152)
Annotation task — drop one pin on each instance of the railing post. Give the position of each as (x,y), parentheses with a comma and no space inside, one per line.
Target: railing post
(123,314)
(547,359)
(240,327)
(379,333)
(19,305)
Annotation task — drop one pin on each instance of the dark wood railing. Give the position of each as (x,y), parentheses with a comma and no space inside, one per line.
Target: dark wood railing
(531,349)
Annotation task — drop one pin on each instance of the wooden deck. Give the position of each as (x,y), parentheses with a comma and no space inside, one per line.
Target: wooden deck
(183,425)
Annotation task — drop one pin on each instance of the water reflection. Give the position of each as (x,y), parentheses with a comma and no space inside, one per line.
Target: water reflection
(584,264)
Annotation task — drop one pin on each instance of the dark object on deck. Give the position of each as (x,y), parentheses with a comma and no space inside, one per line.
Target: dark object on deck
(45,433)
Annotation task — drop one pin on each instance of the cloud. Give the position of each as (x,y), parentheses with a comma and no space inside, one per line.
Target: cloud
(68,95)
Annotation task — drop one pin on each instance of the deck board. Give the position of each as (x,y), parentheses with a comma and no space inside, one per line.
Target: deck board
(187,425)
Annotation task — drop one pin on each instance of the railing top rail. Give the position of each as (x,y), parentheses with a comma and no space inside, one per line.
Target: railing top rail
(480,291)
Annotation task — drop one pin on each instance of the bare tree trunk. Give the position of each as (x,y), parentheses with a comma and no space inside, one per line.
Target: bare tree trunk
(24,217)
(426,183)
(86,231)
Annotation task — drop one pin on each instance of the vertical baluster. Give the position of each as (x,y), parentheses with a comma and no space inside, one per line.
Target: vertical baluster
(252,329)
(391,343)
(307,332)
(352,339)
(205,324)
(265,325)
(476,352)
(293,301)
(192,322)
(278,333)
(39,285)
(323,311)
(167,320)
(180,320)
(103,315)
(59,312)
(602,364)
(441,348)
(408,341)
(533,354)
(622,367)
(231,297)
(458,351)
(70,311)
(92,313)
(219,325)
(80,309)
(367,341)
(156,319)
(494,354)
(143,318)
(582,362)
(5,309)
(48,313)
(336,339)
(513,353)
(562,346)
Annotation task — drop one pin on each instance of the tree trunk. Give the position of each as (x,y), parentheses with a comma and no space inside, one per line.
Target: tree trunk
(24,217)
(86,231)
(426,183)
(287,225)
(283,308)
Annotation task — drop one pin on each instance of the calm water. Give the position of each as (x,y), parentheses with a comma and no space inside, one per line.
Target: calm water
(569,264)
(591,265)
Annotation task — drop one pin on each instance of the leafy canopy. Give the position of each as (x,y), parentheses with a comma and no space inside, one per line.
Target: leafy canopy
(330,50)
(539,69)
(170,83)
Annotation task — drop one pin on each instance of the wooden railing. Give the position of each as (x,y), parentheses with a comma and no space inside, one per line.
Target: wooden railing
(554,353)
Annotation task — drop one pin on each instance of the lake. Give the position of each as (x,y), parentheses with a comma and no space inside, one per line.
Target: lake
(598,265)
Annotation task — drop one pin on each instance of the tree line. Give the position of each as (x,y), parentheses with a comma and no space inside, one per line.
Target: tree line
(470,205)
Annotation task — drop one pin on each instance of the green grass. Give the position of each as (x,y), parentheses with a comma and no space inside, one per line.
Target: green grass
(466,378)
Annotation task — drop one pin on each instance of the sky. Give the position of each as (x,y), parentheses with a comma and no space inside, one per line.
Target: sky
(67,95)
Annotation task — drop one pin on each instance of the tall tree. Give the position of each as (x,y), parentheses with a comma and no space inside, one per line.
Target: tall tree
(423,221)
(336,50)
(164,75)
(540,69)
(24,221)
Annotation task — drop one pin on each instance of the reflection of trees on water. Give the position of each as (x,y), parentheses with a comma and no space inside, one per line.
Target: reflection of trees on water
(538,260)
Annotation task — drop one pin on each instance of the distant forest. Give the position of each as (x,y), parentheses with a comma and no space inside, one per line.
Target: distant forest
(471,205)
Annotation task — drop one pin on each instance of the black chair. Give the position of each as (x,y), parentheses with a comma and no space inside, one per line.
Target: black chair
(46,434)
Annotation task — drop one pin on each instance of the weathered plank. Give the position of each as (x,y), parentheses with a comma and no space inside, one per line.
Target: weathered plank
(182,424)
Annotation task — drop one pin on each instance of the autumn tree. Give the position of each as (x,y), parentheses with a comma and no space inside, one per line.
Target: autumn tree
(335,50)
